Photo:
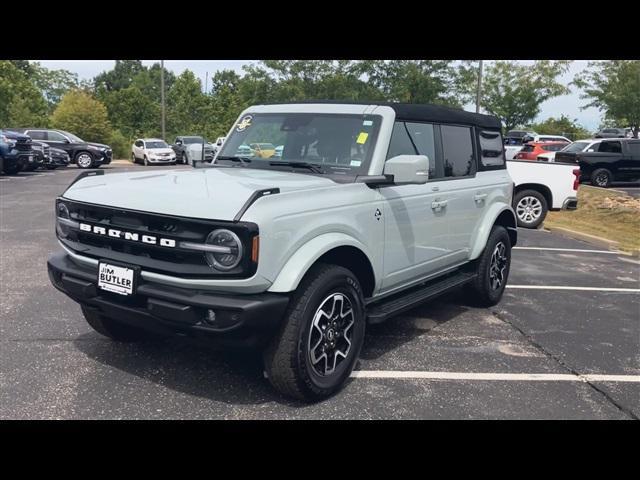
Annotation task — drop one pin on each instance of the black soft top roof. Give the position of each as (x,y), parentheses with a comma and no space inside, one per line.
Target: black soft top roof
(423,112)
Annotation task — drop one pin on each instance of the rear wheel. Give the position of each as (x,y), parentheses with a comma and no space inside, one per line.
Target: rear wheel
(530,207)
(321,336)
(84,160)
(113,329)
(492,269)
(601,178)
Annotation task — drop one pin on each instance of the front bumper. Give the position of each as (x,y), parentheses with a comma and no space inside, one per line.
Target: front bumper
(162,159)
(166,309)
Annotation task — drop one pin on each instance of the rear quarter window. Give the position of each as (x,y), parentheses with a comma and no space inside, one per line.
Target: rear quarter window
(491,149)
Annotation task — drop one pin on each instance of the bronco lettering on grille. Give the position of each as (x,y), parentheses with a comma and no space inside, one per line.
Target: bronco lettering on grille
(112,232)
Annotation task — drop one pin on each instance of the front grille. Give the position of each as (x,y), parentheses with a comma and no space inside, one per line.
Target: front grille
(24,146)
(161,259)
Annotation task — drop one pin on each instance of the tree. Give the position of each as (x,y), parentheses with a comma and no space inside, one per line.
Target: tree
(418,81)
(613,87)
(81,114)
(189,110)
(121,76)
(561,126)
(20,99)
(53,83)
(132,112)
(514,92)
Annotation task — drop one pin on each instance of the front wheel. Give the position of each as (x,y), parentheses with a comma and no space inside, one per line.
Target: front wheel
(84,160)
(183,159)
(11,168)
(146,161)
(133,158)
(320,339)
(530,207)
(492,269)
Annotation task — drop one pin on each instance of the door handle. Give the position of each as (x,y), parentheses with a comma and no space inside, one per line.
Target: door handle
(438,205)
(480,197)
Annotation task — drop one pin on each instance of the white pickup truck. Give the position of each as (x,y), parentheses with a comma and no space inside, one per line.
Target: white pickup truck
(540,187)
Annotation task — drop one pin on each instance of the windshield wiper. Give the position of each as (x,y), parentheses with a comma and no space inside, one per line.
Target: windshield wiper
(311,166)
(244,161)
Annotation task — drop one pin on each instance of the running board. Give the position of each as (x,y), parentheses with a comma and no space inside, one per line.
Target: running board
(384,309)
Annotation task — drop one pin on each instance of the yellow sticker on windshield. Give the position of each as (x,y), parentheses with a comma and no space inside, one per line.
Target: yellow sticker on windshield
(362,138)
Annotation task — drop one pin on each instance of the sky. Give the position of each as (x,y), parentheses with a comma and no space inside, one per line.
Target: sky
(566,104)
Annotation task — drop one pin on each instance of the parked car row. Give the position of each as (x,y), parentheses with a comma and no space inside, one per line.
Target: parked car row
(31,148)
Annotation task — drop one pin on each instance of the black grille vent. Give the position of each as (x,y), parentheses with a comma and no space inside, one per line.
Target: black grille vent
(167,260)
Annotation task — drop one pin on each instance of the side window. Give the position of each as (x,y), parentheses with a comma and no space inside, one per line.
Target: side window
(491,151)
(37,134)
(457,151)
(56,137)
(400,143)
(611,147)
(634,148)
(423,138)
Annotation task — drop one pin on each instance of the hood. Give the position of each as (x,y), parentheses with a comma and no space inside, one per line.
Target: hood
(15,135)
(160,150)
(211,193)
(99,145)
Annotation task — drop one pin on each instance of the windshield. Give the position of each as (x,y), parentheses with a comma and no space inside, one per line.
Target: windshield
(192,139)
(156,145)
(576,147)
(336,143)
(72,137)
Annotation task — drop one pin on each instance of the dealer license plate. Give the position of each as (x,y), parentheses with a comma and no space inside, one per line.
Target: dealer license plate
(116,279)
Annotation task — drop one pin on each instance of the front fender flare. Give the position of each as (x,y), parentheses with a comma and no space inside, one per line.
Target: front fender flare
(299,263)
(487,222)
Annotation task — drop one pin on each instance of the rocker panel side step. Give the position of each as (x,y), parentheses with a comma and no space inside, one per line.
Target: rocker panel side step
(384,309)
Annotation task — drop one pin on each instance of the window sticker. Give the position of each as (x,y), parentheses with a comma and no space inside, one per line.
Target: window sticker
(367,123)
(355,163)
(362,138)
(244,123)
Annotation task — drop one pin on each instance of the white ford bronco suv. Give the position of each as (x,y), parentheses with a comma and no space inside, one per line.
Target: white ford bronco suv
(367,211)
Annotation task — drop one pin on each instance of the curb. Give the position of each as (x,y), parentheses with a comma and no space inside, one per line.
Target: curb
(585,237)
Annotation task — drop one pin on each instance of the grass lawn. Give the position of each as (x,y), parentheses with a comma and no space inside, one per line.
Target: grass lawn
(617,221)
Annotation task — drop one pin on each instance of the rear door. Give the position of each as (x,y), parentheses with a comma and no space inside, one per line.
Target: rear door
(464,196)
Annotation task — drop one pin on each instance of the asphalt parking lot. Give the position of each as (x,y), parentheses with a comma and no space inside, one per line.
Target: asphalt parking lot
(564,343)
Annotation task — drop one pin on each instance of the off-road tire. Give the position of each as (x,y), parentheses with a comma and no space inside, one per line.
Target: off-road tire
(287,360)
(113,329)
(482,292)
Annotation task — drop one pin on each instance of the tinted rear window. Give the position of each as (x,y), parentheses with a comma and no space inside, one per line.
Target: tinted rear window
(458,151)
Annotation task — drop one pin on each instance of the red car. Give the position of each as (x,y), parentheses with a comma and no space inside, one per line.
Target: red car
(531,150)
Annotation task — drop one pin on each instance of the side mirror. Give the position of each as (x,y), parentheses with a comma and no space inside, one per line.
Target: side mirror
(178,142)
(408,169)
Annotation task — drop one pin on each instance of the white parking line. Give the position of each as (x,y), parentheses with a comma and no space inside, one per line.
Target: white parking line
(517,377)
(579,250)
(562,287)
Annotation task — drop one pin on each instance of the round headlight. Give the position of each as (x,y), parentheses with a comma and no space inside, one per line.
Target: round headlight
(230,252)
(62,212)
